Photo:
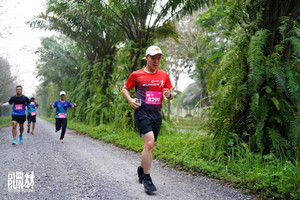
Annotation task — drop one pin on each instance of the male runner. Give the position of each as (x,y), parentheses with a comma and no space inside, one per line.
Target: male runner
(150,85)
(61,113)
(31,114)
(18,115)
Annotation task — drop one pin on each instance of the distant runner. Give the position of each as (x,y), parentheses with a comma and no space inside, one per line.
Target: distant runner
(31,114)
(61,113)
(18,115)
(150,85)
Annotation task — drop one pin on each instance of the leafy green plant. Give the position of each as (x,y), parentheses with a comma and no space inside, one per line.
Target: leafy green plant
(256,84)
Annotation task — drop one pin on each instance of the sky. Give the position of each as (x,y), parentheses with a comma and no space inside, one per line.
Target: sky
(18,42)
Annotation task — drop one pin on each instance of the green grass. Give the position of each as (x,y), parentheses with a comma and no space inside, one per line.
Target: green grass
(187,122)
(5,121)
(267,177)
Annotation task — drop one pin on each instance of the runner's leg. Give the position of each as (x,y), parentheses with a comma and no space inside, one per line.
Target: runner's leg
(28,130)
(14,130)
(33,127)
(58,124)
(149,144)
(21,129)
(64,127)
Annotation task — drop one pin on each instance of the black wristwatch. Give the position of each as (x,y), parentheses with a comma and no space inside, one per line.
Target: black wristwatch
(170,96)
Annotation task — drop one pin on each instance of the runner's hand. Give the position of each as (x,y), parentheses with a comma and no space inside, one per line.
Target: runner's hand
(75,105)
(167,93)
(51,103)
(134,104)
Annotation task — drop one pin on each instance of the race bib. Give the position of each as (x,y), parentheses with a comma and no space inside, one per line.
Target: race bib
(62,115)
(18,106)
(153,98)
(33,113)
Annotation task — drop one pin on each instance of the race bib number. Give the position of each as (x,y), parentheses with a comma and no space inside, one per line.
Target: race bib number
(18,106)
(153,98)
(62,115)
(33,113)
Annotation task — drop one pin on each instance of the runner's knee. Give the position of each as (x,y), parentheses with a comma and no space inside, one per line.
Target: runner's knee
(149,145)
(15,125)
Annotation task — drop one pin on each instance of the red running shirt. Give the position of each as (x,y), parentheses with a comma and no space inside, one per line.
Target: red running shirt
(149,88)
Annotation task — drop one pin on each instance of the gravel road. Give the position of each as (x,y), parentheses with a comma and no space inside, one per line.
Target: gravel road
(85,168)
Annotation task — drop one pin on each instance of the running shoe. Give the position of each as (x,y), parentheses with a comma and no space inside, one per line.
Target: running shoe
(20,138)
(149,186)
(32,133)
(140,172)
(61,141)
(28,130)
(14,142)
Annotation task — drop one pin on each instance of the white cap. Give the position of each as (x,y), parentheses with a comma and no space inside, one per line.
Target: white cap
(153,50)
(62,92)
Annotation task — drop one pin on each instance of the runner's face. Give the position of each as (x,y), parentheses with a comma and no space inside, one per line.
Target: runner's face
(153,61)
(62,97)
(19,90)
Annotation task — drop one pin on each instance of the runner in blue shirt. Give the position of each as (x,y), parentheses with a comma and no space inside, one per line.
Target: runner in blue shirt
(18,115)
(31,114)
(61,113)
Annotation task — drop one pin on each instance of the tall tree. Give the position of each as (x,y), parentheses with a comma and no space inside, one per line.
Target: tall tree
(97,37)
(142,21)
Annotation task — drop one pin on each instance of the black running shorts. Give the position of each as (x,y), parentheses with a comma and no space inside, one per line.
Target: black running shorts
(19,118)
(146,125)
(31,118)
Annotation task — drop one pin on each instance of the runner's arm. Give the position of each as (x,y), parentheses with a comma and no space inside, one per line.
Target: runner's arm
(74,105)
(131,101)
(169,94)
(5,104)
(51,105)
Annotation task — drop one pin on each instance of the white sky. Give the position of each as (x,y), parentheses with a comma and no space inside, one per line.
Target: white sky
(18,42)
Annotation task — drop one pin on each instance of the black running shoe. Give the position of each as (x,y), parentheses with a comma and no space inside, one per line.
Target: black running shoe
(140,172)
(149,186)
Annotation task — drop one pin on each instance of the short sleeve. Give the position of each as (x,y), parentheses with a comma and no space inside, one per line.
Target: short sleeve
(168,83)
(131,82)
(11,101)
(70,105)
(54,104)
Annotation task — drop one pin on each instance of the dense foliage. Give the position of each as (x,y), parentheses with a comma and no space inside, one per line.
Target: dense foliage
(256,83)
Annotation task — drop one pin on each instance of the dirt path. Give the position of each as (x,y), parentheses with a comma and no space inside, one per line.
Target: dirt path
(84,168)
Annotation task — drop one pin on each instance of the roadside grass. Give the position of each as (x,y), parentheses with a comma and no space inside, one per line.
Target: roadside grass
(5,121)
(265,176)
(187,122)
